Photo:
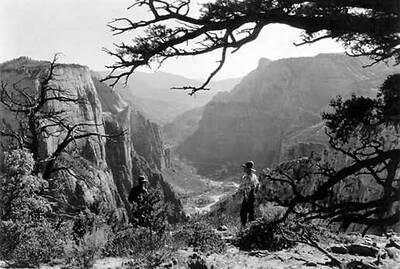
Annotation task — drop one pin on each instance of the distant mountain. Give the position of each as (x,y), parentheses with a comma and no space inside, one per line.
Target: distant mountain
(276,101)
(182,126)
(152,94)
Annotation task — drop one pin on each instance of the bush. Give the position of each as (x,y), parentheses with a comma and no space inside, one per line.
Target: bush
(150,260)
(8,239)
(131,241)
(28,235)
(83,253)
(18,162)
(150,219)
(195,261)
(264,234)
(200,236)
(86,223)
(30,245)
(146,232)
(38,244)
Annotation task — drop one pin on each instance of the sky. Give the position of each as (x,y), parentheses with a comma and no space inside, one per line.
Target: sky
(77,28)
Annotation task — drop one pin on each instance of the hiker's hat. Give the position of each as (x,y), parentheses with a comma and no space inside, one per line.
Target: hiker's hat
(142,179)
(249,165)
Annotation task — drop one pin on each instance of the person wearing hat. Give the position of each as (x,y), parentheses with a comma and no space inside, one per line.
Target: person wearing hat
(248,188)
(138,192)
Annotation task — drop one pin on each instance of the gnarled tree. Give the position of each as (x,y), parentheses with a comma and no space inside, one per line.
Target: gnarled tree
(176,28)
(37,114)
(357,127)
(364,133)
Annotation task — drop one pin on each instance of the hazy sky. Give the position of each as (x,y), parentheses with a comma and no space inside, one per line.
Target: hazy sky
(77,28)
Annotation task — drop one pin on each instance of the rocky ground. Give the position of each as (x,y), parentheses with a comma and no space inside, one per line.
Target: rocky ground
(367,252)
(352,250)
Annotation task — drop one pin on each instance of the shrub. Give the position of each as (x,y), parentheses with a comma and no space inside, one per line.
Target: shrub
(264,234)
(30,245)
(196,261)
(86,223)
(200,236)
(18,162)
(150,218)
(150,260)
(83,253)
(151,212)
(8,238)
(147,230)
(130,241)
(28,235)
(38,244)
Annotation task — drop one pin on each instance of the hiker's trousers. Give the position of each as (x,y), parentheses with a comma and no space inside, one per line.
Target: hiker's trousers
(247,210)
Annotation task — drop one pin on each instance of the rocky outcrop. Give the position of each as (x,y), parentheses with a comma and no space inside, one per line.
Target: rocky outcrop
(274,101)
(104,170)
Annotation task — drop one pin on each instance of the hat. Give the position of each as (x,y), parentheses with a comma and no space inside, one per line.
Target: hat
(249,165)
(142,178)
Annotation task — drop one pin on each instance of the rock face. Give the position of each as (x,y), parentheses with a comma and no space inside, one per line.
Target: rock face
(140,150)
(271,103)
(105,169)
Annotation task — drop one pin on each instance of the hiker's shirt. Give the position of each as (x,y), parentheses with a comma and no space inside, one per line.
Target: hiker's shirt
(249,183)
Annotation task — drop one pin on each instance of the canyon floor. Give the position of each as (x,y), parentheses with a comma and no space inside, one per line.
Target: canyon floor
(198,193)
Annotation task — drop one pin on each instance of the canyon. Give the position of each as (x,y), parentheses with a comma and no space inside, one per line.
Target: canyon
(103,170)
(261,115)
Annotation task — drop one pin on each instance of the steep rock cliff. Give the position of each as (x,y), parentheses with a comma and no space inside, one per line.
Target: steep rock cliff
(140,150)
(88,183)
(272,102)
(103,171)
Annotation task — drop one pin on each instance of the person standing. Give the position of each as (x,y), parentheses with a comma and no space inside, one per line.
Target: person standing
(248,188)
(138,193)
(137,197)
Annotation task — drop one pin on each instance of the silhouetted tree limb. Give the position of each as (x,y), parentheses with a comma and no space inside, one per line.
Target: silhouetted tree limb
(364,28)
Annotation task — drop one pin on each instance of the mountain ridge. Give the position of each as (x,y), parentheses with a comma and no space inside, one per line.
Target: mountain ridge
(152,94)
(275,99)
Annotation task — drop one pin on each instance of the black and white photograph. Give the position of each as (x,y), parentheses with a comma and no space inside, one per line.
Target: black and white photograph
(200,134)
